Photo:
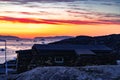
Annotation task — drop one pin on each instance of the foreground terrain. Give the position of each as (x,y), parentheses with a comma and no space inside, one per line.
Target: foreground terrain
(108,72)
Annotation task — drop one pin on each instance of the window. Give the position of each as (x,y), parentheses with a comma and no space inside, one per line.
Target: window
(59,60)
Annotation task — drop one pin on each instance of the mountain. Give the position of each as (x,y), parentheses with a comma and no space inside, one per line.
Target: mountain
(8,37)
(53,38)
(112,41)
(108,40)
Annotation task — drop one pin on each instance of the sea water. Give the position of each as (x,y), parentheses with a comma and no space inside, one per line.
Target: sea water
(13,46)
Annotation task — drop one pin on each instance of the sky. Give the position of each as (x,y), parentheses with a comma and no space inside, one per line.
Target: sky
(31,18)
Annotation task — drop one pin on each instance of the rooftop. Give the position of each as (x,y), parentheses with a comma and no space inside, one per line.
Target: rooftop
(69,47)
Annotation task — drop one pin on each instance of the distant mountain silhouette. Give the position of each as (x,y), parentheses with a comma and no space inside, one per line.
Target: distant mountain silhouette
(2,37)
(8,37)
(53,37)
(112,41)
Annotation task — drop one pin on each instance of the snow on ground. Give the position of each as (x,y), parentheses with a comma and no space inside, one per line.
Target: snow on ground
(106,72)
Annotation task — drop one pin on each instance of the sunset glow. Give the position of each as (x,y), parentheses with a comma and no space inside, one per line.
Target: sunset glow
(31,18)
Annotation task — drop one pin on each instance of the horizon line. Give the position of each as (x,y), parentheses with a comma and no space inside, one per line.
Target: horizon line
(58,36)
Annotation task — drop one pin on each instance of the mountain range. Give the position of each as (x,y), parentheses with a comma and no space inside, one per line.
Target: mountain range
(36,38)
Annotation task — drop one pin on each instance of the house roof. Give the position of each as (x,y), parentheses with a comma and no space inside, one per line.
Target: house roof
(56,49)
(24,51)
(84,51)
(69,47)
(56,52)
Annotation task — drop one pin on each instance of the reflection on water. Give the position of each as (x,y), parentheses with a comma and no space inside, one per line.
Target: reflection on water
(12,46)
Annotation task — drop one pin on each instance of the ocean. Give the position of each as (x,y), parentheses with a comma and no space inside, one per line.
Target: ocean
(13,46)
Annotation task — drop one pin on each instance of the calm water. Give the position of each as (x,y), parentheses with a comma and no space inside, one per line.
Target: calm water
(13,46)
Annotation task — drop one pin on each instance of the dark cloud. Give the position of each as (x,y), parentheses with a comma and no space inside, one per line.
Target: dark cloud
(111,21)
(104,2)
(25,1)
(112,15)
(31,13)
(94,15)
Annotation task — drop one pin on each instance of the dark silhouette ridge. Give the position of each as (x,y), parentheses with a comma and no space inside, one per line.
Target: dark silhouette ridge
(112,41)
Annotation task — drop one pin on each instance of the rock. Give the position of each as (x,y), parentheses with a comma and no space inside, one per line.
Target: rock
(72,73)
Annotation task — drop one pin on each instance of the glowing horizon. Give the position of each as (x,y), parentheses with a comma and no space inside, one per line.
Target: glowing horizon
(28,19)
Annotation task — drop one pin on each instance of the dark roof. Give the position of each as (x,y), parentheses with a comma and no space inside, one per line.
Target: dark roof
(24,51)
(69,47)
(84,51)
(56,52)
(56,49)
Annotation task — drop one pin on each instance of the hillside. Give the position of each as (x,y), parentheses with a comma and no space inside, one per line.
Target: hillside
(112,41)
(108,72)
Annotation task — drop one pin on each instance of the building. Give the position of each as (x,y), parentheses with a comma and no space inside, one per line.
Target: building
(63,55)
(11,67)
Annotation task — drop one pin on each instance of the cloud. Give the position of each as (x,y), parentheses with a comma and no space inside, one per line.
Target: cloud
(111,21)
(30,13)
(56,22)
(76,12)
(94,15)
(25,1)
(25,20)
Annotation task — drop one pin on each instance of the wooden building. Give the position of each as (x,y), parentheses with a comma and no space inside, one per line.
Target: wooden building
(63,55)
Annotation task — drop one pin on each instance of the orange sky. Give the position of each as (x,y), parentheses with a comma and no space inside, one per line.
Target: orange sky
(33,30)
(63,19)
